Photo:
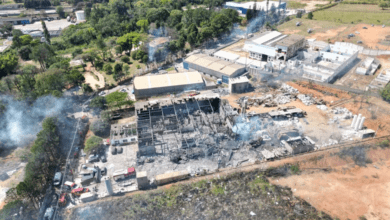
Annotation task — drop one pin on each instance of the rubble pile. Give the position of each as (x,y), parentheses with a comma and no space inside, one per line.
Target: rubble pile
(322,107)
(305,99)
(284,98)
(221,91)
(341,113)
(288,89)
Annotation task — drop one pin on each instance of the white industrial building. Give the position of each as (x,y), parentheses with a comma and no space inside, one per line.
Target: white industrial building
(368,66)
(223,55)
(214,66)
(328,64)
(273,45)
(147,86)
(243,7)
(239,84)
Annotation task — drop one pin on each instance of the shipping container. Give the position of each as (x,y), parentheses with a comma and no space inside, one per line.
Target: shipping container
(171,177)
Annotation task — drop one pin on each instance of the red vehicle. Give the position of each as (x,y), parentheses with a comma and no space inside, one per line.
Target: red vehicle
(121,174)
(79,191)
(62,200)
(194,94)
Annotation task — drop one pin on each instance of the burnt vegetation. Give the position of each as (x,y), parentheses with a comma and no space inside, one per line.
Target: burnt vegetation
(237,196)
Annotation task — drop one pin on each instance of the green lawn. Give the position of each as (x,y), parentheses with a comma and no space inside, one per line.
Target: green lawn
(295,5)
(353,14)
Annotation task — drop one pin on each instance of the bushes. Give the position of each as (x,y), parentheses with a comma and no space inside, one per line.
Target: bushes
(385,92)
(76,52)
(107,68)
(125,59)
(24,52)
(93,144)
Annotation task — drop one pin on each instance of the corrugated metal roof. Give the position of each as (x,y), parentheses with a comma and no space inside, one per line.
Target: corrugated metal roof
(261,49)
(231,69)
(244,61)
(194,57)
(226,55)
(159,81)
(267,37)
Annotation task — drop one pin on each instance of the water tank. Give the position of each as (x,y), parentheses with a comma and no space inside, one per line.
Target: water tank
(80,15)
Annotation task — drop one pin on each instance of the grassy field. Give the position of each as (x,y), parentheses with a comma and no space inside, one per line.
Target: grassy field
(294,5)
(353,14)
(290,27)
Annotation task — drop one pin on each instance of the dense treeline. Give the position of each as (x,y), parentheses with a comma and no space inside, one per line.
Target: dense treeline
(37,3)
(42,162)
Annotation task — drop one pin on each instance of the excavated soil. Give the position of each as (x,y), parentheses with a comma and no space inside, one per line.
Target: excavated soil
(346,190)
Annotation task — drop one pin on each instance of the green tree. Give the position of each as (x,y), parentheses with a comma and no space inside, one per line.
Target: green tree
(16,34)
(126,68)
(42,53)
(191,38)
(91,56)
(107,68)
(310,15)
(75,77)
(98,102)
(385,92)
(220,23)
(24,52)
(49,81)
(143,24)
(383,5)
(128,40)
(93,144)
(45,32)
(86,88)
(125,59)
(8,63)
(118,99)
(145,58)
(117,68)
(25,39)
(60,11)
(175,17)
(76,52)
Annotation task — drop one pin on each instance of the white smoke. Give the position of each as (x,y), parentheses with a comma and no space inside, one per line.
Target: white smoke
(21,120)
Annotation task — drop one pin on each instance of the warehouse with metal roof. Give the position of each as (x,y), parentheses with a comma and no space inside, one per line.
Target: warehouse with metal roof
(213,66)
(146,86)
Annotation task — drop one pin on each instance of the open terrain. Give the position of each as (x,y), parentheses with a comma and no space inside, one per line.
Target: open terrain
(355,183)
(235,196)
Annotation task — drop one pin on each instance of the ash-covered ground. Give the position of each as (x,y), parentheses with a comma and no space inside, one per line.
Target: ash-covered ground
(238,196)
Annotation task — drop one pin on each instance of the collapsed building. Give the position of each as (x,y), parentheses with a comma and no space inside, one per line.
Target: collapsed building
(206,127)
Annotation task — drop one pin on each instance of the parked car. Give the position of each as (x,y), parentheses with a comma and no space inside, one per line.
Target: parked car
(120,150)
(103,171)
(102,93)
(123,90)
(93,158)
(113,150)
(57,179)
(103,159)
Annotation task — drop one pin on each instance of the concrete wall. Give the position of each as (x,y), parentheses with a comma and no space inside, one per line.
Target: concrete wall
(143,93)
(338,72)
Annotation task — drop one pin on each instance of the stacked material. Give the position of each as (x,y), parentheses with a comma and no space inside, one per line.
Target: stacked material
(307,100)
(288,89)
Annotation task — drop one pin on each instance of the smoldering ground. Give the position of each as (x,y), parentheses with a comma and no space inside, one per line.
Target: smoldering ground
(21,120)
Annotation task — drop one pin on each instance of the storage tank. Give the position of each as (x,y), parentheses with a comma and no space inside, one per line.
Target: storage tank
(80,15)
(354,121)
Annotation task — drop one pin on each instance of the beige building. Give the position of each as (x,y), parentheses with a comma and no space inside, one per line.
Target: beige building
(147,86)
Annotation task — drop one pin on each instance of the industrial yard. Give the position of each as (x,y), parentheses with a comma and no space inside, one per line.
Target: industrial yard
(281,115)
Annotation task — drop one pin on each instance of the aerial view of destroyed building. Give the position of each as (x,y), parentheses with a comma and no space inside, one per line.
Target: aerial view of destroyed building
(194,109)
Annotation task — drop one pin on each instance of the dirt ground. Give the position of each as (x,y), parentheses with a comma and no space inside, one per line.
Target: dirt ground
(237,48)
(329,34)
(311,5)
(348,191)
(91,80)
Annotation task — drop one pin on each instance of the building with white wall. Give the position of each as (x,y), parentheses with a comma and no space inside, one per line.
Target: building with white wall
(243,8)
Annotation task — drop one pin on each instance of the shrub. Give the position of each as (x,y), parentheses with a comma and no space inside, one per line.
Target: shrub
(310,15)
(117,68)
(93,144)
(294,169)
(98,102)
(125,59)
(385,92)
(107,68)
(25,52)
(145,58)
(76,52)
(99,64)
(134,55)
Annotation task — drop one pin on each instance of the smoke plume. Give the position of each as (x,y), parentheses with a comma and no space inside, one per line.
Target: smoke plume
(21,121)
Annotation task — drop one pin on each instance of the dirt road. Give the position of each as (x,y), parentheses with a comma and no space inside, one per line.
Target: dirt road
(90,78)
